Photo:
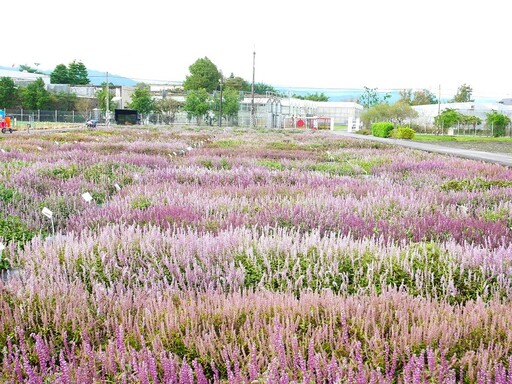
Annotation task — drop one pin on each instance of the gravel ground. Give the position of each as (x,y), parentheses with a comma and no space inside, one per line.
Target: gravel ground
(485,146)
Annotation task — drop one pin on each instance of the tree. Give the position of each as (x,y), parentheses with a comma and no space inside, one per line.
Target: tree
(85,107)
(142,101)
(396,113)
(236,83)
(197,104)
(168,107)
(370,97)
(448,118)
(9,94)
(262,88)
(60,75)
(77,72)
(203,75)
(313,97)
(401,111)
(63,101)
(102,99)
(498,122)
(29,69)
(463,94)
(35,95)
(422,97)
(230,103)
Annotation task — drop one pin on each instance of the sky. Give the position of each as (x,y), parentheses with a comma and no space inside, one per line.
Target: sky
(332,44)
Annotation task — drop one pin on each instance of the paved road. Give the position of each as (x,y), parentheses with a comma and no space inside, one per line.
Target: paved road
(498,158)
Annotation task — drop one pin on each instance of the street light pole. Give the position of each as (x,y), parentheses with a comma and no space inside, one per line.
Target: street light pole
(253,117)
(220,109)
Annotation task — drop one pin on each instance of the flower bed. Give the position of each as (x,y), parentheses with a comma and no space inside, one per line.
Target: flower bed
(237,256)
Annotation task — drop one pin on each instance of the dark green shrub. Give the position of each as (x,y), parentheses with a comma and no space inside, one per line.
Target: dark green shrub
(403,133)
(382,129)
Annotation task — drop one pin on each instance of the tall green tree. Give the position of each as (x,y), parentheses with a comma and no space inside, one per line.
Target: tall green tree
(77,72)
(35,96)
(498,122)
(396,113)
(9,94)
(203,75)
(197,104)
(463,94)
(142,101)
(60,75)
(230,103)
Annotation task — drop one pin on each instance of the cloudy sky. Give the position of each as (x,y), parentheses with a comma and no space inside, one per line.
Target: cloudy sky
(393,44)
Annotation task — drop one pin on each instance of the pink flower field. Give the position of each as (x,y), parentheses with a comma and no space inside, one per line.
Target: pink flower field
(250,256)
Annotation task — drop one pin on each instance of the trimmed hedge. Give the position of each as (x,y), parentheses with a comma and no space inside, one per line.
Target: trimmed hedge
(382,129)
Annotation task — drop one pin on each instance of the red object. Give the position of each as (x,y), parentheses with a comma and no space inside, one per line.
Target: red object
(2,124)
(300,123)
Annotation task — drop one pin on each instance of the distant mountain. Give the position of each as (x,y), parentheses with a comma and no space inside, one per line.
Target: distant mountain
(96,77)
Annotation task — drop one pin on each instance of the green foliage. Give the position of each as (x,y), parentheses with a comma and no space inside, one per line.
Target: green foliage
(60,75)
(499,123)
(262,89)
(421,97)
(197,103)
(77,73)
(463,94)
(29,69)
(477,184)
(168,107)
(63,101)
(142,101)
(271,164)
(448,118)
(12,229)
(236,83)
(230,103)
(370,97)
(63,173)
(313,97)
(382,129)
(7,195)
(35,96)
(101,96)
(9,95)
(403,133)
(141,202)
(203,75)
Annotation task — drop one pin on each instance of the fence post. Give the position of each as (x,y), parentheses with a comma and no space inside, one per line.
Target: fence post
(38,115)
(56,120)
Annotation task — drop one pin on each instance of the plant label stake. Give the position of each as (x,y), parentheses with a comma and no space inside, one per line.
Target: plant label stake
(118,188)
(49,214)
(87,197)
(2,247)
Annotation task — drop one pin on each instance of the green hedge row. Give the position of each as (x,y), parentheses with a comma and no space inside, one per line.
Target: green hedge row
(382,129)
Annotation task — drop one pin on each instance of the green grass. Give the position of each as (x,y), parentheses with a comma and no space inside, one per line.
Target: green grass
(423,137)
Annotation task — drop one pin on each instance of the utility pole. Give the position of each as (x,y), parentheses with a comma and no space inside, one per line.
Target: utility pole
(253,117)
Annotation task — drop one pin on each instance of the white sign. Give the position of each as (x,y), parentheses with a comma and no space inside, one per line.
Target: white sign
(117,186)
(189,148)
(87,197)
(47,213)
(2,247)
